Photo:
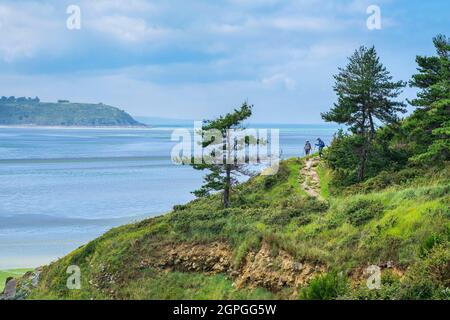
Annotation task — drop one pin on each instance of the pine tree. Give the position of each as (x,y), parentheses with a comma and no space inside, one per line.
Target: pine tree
(429,125)
(366,94)
(222,161)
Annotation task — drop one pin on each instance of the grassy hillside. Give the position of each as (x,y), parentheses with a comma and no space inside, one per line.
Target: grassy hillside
(276,242)
(31,112)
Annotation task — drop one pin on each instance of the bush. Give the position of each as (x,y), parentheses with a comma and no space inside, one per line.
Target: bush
(278,217)
(179,207)
(325,287)
(390,286)
(361,211)
(429,278)
(303,204)
(389,178)
(430,242)
(281,176)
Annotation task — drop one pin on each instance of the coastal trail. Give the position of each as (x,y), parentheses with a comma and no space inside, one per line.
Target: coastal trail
(311,181)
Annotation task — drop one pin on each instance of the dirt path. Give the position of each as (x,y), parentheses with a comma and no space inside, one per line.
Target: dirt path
(311,182)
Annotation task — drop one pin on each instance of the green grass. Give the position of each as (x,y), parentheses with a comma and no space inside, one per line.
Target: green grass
(325,178)
(15,273)
(183,286)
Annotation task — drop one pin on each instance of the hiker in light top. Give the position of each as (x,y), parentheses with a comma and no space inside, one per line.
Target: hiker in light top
(321,145)
(307,148)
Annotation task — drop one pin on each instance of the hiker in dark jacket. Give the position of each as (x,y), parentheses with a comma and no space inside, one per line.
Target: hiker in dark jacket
(307,148)
(321,145)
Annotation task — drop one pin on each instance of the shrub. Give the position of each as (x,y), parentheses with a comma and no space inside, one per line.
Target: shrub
(281,176)
(278,217)
(179,207)
(386,178)
(429,278)
(430,242)
(309,204)
(360,211)
(329,286)
(390,286)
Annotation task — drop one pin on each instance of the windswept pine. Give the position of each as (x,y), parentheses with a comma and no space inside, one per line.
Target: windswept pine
(224,148)
(429,127)
(366,94)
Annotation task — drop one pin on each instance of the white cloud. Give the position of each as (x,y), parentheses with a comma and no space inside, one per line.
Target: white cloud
(128,29)
(25,30)
(128,6)
(277,80)
(285,23)
(302,23)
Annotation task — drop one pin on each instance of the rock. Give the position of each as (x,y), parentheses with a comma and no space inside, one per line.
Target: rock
(10,289)
(35,278)
(234,273)
(297,266)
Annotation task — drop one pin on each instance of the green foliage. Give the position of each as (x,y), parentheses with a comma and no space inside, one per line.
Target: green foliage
(325,287)
(342,157)
(325,175)
(386,179)
(280,176)
(221,163)
(362,210)
(420,140)
(427,131)
(429,278)
(390,287)
(250,243)
(366,93)
(188,286)
(432,241)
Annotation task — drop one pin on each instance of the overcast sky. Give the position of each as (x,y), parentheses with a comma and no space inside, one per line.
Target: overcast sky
(195,59)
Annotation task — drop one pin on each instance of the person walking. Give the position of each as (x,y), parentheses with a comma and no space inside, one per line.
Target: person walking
(321,145)
(307,148)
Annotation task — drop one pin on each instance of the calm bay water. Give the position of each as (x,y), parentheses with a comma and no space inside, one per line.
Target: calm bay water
(60,188)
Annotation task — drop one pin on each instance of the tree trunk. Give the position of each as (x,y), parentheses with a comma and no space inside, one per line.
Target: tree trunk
(362,165)
(372,126)
(363,157)
(227,187)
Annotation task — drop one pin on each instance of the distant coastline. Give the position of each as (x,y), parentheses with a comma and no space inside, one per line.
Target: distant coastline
(31,112)
(136,127)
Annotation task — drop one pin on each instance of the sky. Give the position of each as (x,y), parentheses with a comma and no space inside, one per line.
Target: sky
(196,59)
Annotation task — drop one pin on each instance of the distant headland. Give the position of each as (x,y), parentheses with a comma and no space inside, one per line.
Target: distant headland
(32,112)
